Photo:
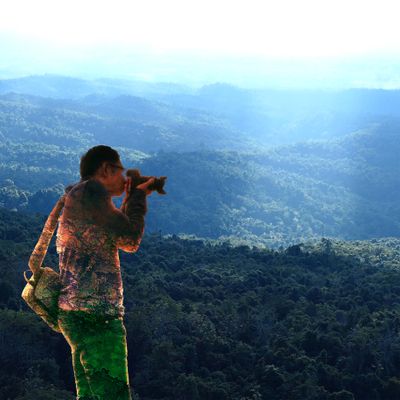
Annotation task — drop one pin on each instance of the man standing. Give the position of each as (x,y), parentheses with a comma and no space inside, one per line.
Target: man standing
(91,230)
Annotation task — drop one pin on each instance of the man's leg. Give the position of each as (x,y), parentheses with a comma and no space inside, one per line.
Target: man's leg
(83,390)
(71,327)
(101,351)
(105,360)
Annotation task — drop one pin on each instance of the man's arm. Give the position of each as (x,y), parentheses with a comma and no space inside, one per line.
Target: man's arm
(135,209)
(125,224)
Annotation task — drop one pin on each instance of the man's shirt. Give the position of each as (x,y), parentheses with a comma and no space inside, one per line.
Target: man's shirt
(90,232)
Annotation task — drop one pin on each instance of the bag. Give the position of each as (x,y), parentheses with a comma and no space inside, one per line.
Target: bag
(41,294)
(43,288)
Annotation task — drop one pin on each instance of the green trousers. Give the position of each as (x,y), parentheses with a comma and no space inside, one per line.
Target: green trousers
(99,355)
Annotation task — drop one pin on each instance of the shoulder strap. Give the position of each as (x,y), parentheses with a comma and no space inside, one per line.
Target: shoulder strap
(39,253)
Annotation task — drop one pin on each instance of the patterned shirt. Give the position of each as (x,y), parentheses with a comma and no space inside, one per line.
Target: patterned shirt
(90,232)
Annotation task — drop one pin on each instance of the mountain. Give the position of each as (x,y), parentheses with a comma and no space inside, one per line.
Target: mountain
(243,286)
(344,188)
(267,117)
(127,121)
(225,179)
(276,117)
(65,87)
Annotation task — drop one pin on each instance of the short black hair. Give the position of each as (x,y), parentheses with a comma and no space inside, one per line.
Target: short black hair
(94,157)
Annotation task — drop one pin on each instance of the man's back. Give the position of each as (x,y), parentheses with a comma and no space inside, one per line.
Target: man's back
(91,229)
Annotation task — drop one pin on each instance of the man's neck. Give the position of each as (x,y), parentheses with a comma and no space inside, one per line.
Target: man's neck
(103,183)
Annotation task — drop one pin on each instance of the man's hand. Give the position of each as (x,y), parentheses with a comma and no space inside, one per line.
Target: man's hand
(128,184)
(144,186)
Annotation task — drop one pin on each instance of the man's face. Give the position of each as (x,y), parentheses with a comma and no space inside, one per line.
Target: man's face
(114,178)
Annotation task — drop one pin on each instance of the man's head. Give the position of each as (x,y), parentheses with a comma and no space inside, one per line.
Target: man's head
(103,163)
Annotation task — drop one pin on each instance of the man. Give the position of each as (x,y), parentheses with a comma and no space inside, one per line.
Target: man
(91,230)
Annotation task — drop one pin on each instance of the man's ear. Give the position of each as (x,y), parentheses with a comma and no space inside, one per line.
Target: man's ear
(103,170)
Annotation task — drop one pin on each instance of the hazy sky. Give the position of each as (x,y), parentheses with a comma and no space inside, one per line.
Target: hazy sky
(277,28)
(281,29)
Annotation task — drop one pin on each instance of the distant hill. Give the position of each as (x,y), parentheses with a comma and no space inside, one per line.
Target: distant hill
(267,117)
(63,87)
(267,167)
(128,121)
(276,117)
(344,188)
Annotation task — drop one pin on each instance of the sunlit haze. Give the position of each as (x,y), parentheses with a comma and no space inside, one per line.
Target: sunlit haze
(68,36)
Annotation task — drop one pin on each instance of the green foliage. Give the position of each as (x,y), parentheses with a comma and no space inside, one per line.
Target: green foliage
(210,321)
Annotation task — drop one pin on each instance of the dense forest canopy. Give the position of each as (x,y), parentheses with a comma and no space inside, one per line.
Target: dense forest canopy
(207,320)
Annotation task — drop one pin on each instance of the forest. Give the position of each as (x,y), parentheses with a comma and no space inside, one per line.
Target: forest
(318,320)
(269,270)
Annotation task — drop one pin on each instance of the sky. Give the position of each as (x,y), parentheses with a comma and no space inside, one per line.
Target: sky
(158,34)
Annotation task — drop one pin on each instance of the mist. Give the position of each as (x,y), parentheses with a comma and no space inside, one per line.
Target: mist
(285,45)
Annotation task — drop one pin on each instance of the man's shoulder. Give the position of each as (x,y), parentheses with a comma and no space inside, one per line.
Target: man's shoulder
(95,188)
(89,189)
(86,205)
